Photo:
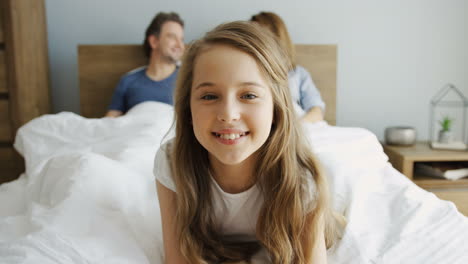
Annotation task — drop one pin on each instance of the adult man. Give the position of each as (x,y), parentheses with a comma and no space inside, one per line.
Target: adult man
(163,45)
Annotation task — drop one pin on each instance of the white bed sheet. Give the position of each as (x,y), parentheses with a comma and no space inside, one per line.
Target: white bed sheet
(88,196)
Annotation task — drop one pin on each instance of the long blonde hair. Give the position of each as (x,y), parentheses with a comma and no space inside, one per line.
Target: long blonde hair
(276,25)
(285,163)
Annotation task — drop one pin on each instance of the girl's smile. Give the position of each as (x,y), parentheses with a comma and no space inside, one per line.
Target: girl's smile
(230,136)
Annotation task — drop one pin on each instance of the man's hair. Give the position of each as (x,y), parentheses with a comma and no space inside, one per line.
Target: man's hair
(155,28)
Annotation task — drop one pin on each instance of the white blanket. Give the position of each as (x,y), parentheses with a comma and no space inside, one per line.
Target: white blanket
(88,196)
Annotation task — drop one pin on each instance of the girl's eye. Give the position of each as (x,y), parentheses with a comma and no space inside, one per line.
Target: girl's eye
(209,97)
(249,96)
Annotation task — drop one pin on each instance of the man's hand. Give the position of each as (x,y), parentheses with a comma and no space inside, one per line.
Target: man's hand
(113,113)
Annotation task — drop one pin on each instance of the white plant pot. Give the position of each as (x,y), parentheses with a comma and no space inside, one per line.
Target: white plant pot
(445,136)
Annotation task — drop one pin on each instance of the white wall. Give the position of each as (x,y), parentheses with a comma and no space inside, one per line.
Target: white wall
(393,55)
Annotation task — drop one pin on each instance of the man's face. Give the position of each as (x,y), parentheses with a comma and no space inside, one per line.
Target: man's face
(170,43)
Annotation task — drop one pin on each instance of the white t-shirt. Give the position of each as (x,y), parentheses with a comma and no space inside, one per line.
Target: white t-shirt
(235,214)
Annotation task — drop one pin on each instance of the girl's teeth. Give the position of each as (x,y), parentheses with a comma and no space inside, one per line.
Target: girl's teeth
(230,136)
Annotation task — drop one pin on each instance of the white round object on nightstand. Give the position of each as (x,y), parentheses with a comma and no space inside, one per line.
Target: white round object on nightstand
(400,135)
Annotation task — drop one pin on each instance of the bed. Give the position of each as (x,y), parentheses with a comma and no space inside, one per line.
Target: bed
(88,193)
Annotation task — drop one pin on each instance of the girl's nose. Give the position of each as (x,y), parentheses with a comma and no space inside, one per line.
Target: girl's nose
(229,111)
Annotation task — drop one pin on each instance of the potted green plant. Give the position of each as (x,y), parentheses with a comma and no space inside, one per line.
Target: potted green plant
(445,133)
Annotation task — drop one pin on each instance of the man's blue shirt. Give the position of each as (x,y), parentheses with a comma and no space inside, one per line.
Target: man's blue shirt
(136,87)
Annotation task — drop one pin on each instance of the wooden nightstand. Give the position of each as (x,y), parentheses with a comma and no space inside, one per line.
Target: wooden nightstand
(404,158)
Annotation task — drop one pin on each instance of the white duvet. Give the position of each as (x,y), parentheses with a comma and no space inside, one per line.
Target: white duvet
(88,196)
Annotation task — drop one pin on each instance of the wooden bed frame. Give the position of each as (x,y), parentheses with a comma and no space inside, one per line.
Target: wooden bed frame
(101,67)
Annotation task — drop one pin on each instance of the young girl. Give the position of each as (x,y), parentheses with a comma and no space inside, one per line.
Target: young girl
(238,176)
(305,95)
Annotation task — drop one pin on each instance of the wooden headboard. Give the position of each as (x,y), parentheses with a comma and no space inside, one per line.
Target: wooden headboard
(101,66)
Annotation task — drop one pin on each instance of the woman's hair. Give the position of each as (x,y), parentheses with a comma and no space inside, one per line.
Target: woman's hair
(155,27)
(276,25)
(283,167)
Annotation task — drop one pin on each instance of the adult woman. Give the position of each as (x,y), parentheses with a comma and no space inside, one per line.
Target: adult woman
(308,102)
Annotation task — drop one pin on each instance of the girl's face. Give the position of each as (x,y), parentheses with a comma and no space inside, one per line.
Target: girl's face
(231,104)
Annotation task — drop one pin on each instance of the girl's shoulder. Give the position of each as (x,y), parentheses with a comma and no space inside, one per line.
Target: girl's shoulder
(162,166)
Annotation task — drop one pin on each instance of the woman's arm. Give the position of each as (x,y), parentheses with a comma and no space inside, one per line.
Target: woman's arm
(315,114)
(167,207)
(310,97)
(317,253)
